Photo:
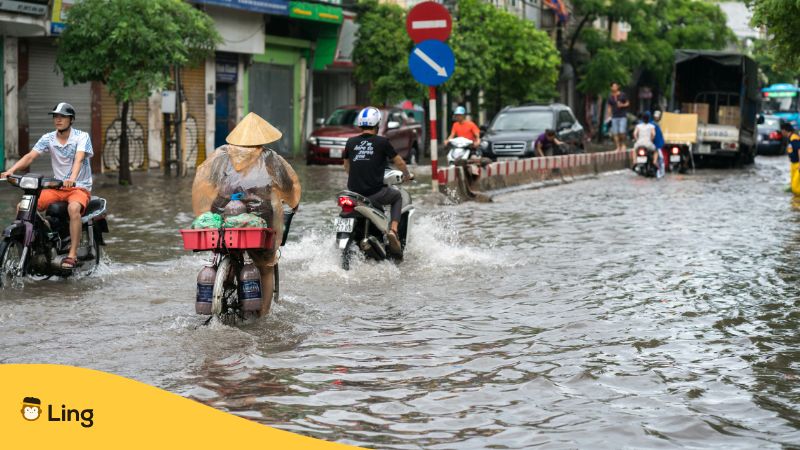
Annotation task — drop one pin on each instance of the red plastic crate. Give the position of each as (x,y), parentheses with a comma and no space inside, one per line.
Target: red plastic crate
(235,238)
(253,238)
(200,239)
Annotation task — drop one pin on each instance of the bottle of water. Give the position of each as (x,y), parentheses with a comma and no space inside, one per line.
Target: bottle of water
(205,290)
(250,288)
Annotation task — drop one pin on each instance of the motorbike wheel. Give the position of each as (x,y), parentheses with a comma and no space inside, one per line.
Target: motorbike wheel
(10,256)
(348,253)
(223,289)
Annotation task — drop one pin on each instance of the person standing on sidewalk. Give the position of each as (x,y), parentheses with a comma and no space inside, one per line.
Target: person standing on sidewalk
(617,109)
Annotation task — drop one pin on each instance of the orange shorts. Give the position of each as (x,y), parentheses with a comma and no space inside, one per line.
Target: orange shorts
(69,195)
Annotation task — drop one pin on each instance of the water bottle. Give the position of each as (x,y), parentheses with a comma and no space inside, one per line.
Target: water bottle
(235,206)
(250,288)
(205,290)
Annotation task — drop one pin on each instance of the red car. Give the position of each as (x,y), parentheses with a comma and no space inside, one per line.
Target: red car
(326,143)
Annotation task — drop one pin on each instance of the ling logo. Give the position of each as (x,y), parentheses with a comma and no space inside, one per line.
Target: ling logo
(32,410)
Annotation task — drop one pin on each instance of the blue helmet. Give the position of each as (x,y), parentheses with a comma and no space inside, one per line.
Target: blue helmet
(460,110)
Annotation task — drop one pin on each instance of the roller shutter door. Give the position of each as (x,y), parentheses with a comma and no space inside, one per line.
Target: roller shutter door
(45,88)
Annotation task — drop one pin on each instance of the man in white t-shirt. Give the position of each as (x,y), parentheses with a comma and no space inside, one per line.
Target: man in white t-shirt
(70,151)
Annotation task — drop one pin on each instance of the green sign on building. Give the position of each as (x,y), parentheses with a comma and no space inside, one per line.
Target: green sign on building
(315,11)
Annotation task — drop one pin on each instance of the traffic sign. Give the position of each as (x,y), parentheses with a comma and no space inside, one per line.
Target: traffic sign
(429,20)
(431,62)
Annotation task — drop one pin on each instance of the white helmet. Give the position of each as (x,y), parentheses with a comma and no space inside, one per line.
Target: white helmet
(369,117)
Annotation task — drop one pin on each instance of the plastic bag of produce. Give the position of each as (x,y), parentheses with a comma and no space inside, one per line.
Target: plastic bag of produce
(207,220)
(246,220)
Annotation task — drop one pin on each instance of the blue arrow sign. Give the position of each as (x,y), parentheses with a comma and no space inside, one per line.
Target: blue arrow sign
(431,62)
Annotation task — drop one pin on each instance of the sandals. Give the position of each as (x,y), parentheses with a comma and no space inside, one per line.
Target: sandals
(69,263)
(394,242)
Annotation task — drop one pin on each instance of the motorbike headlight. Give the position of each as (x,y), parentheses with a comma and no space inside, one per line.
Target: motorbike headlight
(312,141)
(29,183)
(484,145)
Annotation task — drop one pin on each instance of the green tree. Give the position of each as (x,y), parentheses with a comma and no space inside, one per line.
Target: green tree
(381,53)
(771,69)
(502,54)
(780,19)
(129,45)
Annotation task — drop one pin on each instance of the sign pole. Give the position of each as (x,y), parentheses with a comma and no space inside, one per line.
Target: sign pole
(434,141)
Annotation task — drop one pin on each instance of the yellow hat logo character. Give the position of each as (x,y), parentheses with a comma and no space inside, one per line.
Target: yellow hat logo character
(31,408)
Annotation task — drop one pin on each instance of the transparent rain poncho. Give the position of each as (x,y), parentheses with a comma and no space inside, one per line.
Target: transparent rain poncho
(263,178)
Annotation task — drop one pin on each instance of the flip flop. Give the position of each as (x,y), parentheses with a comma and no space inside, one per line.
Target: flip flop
(394,242)
(69,263)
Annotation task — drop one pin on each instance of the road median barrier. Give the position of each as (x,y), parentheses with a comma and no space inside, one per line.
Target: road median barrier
(480,181)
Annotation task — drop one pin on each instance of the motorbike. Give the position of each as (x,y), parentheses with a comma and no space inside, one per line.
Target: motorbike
(362,225)
(460,149)
(644,162)
(35,244)
(679,158)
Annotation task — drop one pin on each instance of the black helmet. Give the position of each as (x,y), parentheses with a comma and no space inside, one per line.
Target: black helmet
(64,109)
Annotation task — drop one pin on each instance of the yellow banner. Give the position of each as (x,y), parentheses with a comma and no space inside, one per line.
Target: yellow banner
(51,406)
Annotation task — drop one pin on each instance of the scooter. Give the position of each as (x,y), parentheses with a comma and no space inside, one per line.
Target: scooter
(644,162)
(362,225)
(35,244)
(680,158)
(460,150)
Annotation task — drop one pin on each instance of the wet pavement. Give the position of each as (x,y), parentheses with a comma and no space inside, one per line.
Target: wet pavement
(613,312)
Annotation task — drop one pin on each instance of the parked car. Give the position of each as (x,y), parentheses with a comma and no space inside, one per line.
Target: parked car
(326,143)
(769,140)
(514,130)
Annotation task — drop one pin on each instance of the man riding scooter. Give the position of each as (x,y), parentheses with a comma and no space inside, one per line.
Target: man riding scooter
(365,158)
(462,127)
(70,150)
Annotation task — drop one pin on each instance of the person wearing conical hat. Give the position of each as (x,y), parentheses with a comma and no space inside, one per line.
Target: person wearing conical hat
(267,182)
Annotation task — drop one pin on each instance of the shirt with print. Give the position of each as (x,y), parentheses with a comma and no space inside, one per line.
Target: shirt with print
(369,155)
(63,156)
(793,148)
(616,110)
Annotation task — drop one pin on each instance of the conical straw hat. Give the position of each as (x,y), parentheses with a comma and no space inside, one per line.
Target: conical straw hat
(253,131)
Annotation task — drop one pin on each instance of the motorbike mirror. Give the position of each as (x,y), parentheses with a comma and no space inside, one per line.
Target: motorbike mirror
(760,119)
(320,121)
(393,125)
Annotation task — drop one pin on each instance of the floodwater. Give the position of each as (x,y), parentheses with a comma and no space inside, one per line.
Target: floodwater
(613,312)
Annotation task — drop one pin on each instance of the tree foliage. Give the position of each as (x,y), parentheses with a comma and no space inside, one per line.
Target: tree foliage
(130,45)
(780,19)
(381,52)
(773,71)
(489,44)
(658,28)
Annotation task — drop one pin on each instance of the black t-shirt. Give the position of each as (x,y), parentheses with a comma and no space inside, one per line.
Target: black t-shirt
(368,155)
(616,110)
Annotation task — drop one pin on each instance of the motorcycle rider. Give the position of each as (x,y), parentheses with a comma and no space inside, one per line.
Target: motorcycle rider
(545,142)
(365,158)
(246,165)
(462,127)
(658,141)
(70,150)
(644,134)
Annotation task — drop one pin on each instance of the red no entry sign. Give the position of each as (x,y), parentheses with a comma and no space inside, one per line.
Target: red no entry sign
(429,20)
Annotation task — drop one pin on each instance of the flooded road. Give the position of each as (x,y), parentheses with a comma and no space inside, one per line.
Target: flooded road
(612,312)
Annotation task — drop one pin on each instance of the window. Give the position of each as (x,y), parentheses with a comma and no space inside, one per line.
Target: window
(564,117)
